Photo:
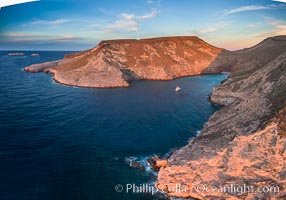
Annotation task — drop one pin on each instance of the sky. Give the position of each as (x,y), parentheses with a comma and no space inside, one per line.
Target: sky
(82,24)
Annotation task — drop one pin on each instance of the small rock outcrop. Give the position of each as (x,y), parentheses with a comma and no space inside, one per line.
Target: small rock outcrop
(156,163)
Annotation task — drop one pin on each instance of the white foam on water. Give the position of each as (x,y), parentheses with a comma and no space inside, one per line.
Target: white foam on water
(196,135)
(142,161)
(54,82)
(198,132)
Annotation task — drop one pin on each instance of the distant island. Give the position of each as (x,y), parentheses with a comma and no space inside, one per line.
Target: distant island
(16,54)
(243,143)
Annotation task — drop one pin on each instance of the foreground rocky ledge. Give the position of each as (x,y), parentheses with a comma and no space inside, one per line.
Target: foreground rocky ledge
(244,143)
(116,63)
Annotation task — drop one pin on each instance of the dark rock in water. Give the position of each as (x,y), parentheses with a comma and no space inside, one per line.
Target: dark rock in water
(16,54)
(152,162)
(137,165)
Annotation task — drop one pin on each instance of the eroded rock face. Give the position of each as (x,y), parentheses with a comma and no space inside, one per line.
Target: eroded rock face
(116,63)
(157,163)
(244,143)
(251,161)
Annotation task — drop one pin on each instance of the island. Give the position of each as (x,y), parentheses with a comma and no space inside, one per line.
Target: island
(116,63)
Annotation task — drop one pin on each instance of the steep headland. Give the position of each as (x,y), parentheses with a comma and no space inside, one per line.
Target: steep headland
(243,143)
(116,63)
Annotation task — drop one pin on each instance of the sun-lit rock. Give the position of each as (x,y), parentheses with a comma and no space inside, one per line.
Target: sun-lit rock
(116,63)
(244,143)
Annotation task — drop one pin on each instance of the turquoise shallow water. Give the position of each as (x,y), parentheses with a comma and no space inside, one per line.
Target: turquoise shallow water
(64,143)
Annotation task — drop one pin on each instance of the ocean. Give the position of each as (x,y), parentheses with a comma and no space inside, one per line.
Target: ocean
(66,143)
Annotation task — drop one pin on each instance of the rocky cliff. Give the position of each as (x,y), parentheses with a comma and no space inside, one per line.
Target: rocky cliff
(244,143)
(116,63)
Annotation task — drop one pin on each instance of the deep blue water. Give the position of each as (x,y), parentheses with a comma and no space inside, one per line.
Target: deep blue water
(64,143)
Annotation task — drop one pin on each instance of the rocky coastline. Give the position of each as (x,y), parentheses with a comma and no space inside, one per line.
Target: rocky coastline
(244,143)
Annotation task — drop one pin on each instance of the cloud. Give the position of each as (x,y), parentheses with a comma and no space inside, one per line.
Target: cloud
(283,1)
(207,30)
(277,28)
(95,25)
(153,1)
(153,13)
(34,37)
(5,3)
(253,25)
(50,22)
(18,35)
(104,11)
(66,38)
(124,21)
(23,41)
(252,8)
(129,22)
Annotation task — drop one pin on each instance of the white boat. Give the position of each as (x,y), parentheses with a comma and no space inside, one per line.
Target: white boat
(35,54)
(178,89)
